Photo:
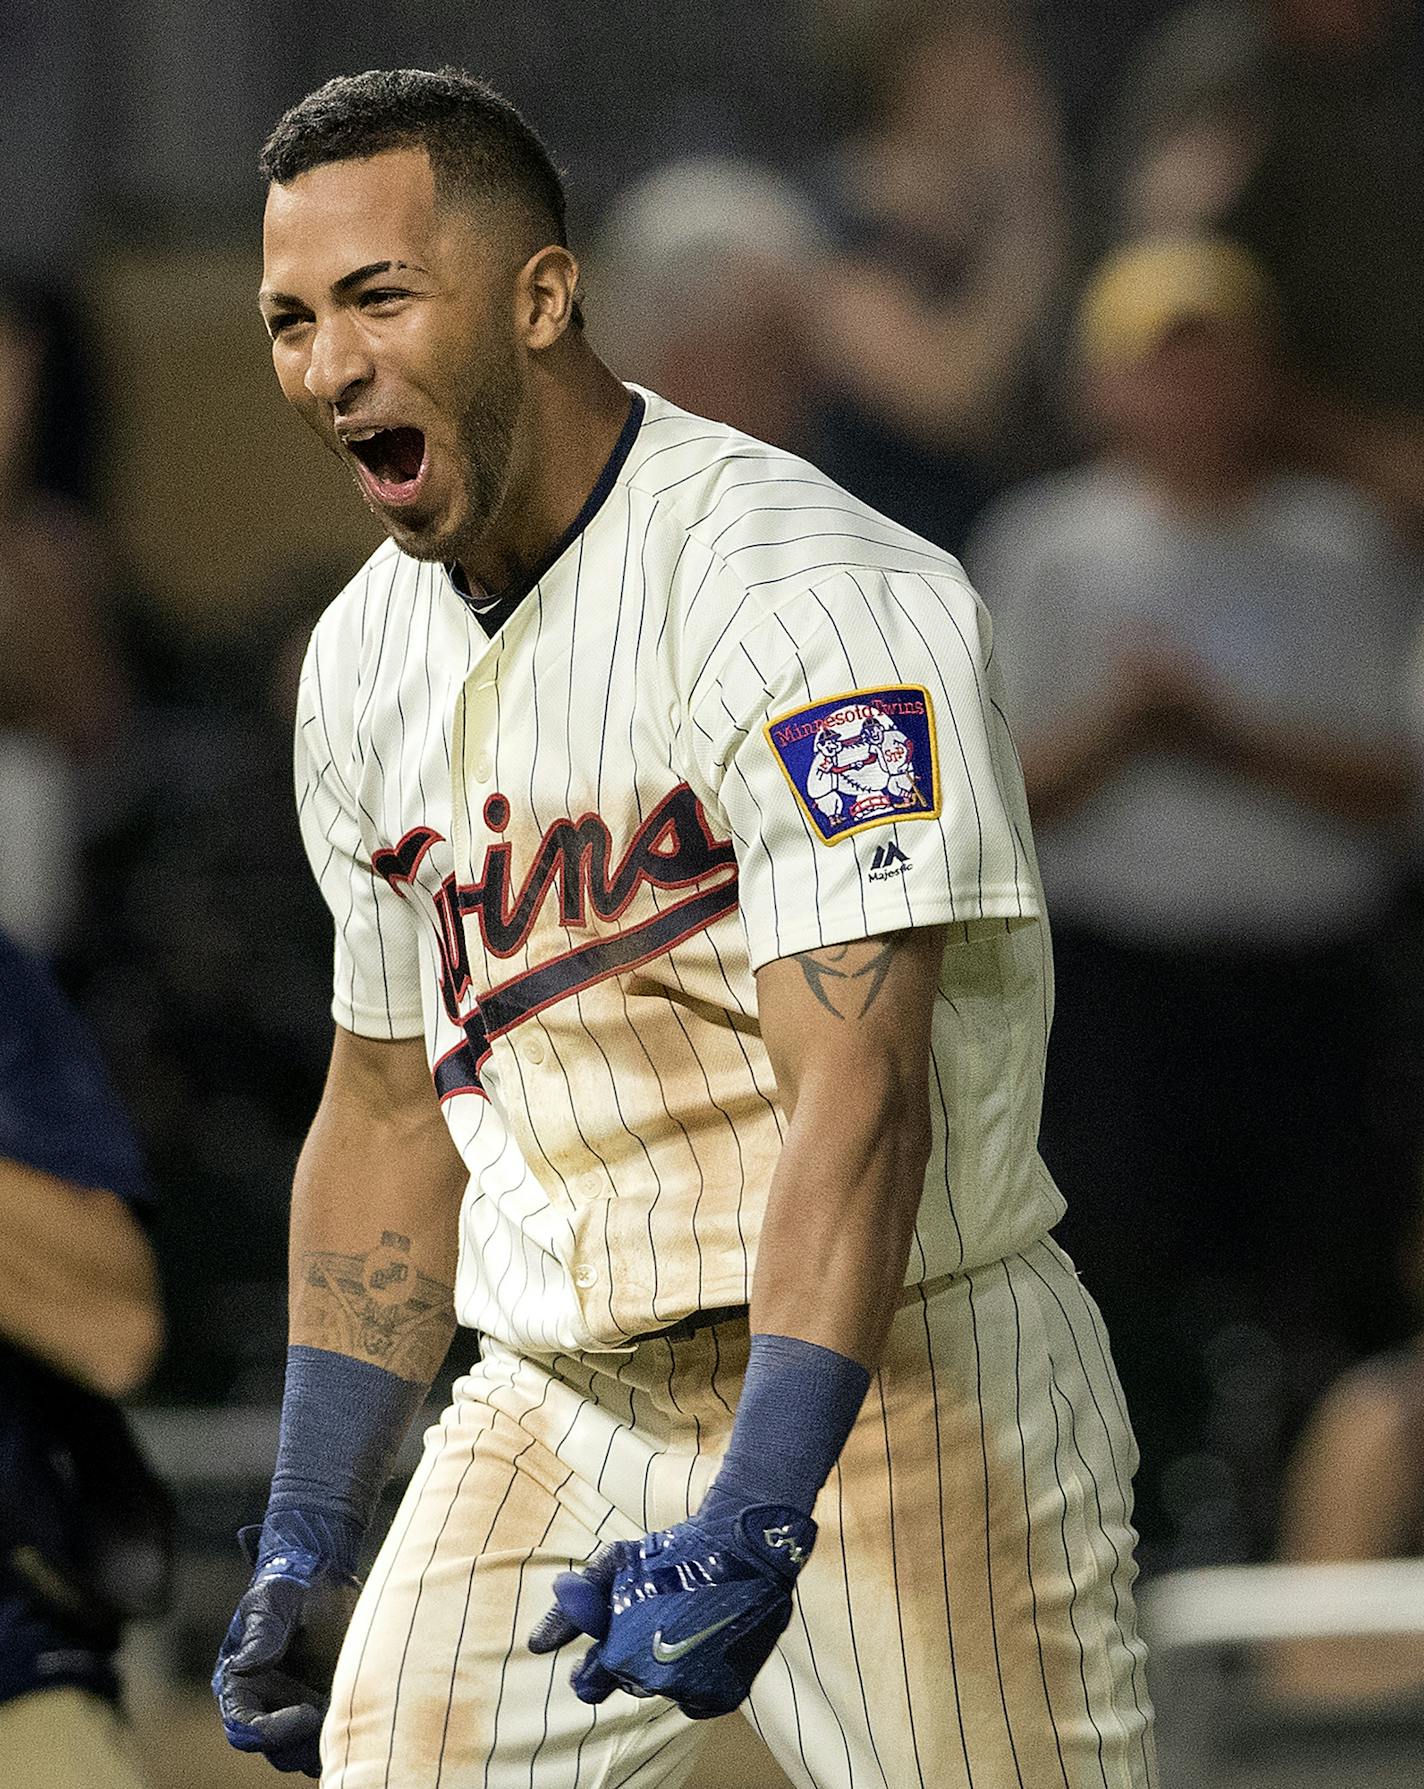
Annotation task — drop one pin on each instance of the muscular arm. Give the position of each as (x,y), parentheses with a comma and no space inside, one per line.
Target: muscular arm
(375,1213)
(848,1032)
(79,1289)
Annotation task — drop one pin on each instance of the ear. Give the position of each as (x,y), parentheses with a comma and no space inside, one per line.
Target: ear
(544,296)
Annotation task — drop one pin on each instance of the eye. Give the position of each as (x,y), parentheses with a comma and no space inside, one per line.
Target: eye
(281,321)
(383,297)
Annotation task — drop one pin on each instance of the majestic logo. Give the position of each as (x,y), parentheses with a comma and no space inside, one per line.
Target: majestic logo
(860,759)
(887,861)
(574,868)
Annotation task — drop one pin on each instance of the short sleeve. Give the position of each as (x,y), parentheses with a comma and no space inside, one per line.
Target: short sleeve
(376,972)
(855,741)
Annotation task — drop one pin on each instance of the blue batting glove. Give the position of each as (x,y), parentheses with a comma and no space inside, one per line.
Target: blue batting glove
(691,1613)
(273,1675)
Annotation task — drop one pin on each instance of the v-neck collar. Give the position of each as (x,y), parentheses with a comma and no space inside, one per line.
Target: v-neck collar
(493,615)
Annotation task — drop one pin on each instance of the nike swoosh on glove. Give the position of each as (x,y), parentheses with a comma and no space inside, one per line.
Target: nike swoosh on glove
(684,1613)
(273,1675)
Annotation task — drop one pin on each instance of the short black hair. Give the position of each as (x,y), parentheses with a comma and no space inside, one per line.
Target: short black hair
(478,144)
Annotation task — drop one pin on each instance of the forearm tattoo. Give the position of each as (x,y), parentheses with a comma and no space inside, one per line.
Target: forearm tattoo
(847,978)
(377,1306)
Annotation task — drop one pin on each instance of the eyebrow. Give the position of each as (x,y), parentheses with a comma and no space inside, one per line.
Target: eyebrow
(340,288)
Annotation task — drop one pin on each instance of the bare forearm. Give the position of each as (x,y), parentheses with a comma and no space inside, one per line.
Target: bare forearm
(375,1227)
(79,1290)
(836,1236)
(848,1032)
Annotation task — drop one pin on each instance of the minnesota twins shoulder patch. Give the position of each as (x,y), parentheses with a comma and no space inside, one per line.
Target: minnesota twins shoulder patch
(860,759)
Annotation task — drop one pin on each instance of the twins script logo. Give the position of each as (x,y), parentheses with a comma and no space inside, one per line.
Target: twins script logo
(574,870)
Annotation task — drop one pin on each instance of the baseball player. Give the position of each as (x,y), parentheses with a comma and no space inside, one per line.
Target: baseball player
(692,988)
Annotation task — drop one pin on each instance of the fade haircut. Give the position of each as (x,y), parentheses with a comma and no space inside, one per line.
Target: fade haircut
(479,147)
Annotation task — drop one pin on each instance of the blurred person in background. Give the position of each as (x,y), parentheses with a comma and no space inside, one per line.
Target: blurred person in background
(929,328)
(83,1529)
(1205,659)
(60,683)
(1189,124)
(700,270)
(1355,1492)
(206,980)
(1298,127)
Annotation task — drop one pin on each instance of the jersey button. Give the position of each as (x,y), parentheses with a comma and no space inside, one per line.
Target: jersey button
(585,1276)
(480,769)
(532,1050)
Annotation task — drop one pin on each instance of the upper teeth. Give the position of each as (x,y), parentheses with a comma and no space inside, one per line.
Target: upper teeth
(362,434)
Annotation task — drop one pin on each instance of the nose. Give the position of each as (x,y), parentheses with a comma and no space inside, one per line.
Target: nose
(339,361)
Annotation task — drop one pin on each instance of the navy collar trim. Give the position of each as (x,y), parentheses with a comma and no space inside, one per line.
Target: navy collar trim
(493,615)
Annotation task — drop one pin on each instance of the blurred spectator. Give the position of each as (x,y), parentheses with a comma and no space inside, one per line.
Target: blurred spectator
(83,1530)
(208,983)
(60,684)
(1355,1491)
(1190,122)
(929,330)
(700,273)
(1205,655)
(1298,126)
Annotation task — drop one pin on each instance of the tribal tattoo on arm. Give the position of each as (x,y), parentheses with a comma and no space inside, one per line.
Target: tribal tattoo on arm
(378,1306)
(847,978)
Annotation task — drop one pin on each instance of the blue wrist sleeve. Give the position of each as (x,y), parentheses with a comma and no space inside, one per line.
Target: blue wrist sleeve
(343,1421)
(798,1405)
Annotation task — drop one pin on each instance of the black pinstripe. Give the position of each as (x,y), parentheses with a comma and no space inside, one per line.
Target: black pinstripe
(899,543)
(1120,1564)
(756,642)
(1028,1519)
(701,472)
(413,1498)
(796,509)
(415,1610)
(964,760)
(1056,1396)
(795,1712)
(895,1574)
(831,1709)
(647,1763)
(988,1532)
(943,1545)
(589,1031)
(805,823)
(984,716)
(555,1666)
(552,1046)
(513,1639)
(870,610)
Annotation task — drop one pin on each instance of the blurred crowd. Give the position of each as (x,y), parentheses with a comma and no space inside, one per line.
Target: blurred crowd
(1142,340)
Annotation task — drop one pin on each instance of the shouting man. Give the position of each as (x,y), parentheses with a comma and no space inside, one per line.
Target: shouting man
(709,1101)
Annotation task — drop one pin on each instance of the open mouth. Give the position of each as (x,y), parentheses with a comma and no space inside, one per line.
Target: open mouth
(391,461)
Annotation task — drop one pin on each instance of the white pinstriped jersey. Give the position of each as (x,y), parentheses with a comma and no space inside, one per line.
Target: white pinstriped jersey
(738,715)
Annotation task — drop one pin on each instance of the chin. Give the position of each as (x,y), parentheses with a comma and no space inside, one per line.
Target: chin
(433,545)
(428,538)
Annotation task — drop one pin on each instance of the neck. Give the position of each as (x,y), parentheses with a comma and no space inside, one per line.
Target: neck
(574,413)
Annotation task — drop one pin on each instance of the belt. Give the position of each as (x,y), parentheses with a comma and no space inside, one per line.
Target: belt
(689,1326)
